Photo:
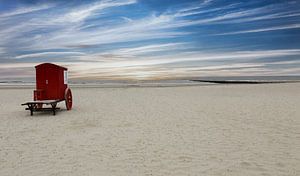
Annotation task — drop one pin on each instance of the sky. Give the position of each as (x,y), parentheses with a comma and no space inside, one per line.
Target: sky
(150,39)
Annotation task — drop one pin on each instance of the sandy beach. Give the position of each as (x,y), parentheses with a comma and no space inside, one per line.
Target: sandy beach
(189,130)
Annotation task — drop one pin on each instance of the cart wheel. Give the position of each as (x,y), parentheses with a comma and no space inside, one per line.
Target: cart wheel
(68,98)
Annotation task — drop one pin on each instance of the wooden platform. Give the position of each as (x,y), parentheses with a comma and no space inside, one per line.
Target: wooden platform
(37,105)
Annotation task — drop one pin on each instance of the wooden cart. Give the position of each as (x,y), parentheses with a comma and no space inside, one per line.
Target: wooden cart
(38,105)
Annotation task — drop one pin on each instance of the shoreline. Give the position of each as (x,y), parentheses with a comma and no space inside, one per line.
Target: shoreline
(153,85)
(244,81)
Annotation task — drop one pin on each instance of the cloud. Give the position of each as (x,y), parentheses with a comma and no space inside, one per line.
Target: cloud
(149,49)
(86,11)
(199,10)
(16,65)
(231,15)
(240,56)
(265,17)
(147,28)
(229,63)
(68,29)
(107,39)
(127,19)
(2,50)
(64,26)
(275,28)
(195,6)
(47,54)
(25,10)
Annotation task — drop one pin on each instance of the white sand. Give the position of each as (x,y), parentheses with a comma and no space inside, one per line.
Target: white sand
(199,130)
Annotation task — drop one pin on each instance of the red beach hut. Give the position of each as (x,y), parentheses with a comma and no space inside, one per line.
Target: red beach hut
(51,88)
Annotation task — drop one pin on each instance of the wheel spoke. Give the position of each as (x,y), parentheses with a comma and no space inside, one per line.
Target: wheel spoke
(68,99)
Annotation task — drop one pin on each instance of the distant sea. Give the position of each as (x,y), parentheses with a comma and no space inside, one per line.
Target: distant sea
(253,78)
(160,83)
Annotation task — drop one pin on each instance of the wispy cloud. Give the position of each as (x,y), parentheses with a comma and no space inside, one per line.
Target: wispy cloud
(149,49)
(86,11)
(47,54)
(149,27)
(234,63)
(199,10)
(200,56)
(2,50)
(292,26)
(271,16)
(117,37)
(25,10)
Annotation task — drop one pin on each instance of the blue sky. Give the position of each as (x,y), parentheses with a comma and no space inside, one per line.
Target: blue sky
(150,39)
